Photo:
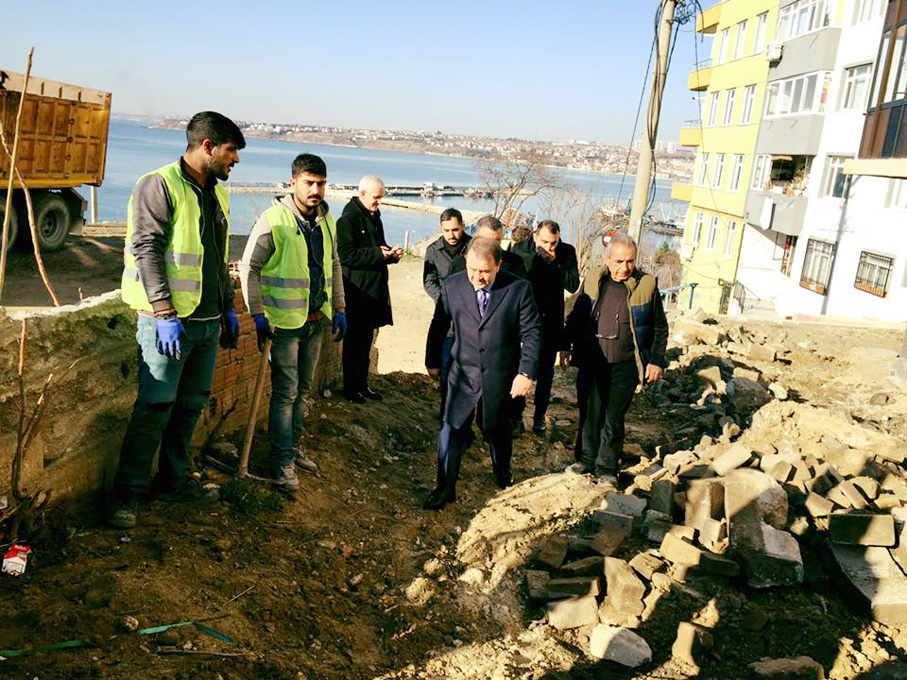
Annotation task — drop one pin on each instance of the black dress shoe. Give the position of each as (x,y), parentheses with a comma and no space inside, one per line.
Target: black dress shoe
(438,498)
(369,393)
(355,397)
(504,481)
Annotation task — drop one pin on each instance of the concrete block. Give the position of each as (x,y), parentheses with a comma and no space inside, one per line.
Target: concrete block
(862,529)
(737,455)
(661,497)
(574,586)
(774,561)
(553,552)
(765,353)
(588,566)
(608,539)
(713,535)
(797,668)
(887,501)
(619,645)
(537,584)
(708,333)
(646,564)
(603,518)
(704,501)
(710,376)
(624,589)
(817,506)
(781,471)
(573,612)
(679,551)
(752,497)
(873,580)
(868,486)
(657,526)
(624,504)
(692,644)
(748,373)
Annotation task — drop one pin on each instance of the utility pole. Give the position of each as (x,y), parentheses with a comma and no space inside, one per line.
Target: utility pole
(647,148)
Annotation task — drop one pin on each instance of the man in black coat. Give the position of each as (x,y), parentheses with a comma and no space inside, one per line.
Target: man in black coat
(494,359)
(364,257)
(553,268)
(438,258)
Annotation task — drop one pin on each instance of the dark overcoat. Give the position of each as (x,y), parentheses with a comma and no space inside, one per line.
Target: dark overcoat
(360,235)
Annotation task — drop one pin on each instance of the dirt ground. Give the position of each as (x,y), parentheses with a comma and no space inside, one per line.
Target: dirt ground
(351,579)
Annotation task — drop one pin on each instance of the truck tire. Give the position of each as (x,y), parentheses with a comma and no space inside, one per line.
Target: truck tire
(13,224)
(52,221)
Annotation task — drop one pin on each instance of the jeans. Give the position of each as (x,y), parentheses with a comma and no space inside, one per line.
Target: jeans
(294,357)
(612,389)
(171,396)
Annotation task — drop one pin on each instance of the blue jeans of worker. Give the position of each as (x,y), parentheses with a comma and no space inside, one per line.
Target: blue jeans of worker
(171,396)
(294,357)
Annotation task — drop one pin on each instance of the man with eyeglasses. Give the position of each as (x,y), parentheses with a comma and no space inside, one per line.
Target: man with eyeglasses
(623,342)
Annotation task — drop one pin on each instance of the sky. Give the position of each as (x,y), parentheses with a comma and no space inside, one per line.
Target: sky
(537,70)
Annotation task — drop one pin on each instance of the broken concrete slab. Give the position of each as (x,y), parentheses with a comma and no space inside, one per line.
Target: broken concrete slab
(797,668)
(573,586)
(620,645)
(661,496)
(573,612)
(692,644)
(624,504)
(752,496)
(737,455)
(608,539)
(872,579)
(818,506)
(625,590)
(708,333)
(775,560)
(862,529)
(765,353)
(603,518)
(646,564)
(552,552)
(679,551)
(537,584)
(704,501)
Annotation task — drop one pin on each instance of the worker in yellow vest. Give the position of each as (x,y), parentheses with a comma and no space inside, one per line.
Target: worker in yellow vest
(293,287)
(175,277)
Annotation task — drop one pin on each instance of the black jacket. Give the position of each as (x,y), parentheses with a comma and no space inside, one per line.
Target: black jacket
(488,352)
(438,262)
(360,236)
(549,281)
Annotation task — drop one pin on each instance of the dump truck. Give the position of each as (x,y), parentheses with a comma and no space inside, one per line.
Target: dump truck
(62,145)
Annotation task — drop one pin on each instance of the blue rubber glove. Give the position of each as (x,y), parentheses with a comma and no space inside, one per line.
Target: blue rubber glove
(168,336)
(262,330)
(229,330)
(339,328)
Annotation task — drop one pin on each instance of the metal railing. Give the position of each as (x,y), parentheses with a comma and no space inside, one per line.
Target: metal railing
(704,63)
(671,295)
(695,123)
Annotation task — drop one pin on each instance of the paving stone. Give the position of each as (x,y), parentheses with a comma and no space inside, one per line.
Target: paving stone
(573,586)
(774,561)
(704,501)
(604,518)
(587,566)
(573,612)
(553,552)
(797,668)
(862,529)
(537,584)
(818,506)
(873,580)
(624,504)
(608,539)
(737,455)
(624,589)
(661,497)
(619,645)
(679,551)
(692,644)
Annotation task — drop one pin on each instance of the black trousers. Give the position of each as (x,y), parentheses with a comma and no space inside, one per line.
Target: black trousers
(453,442)
(357,344)
(543,382)
(612,389)
(583,389)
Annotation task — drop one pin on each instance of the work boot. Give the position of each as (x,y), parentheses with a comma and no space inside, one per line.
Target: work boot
(121,512)
(286,478)
(304,463)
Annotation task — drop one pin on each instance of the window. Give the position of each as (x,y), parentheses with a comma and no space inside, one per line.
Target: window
(897,195)
(837,183)
(868,10)
(713,108)
(749,100)
(817,265)
(723,46)
(874,273)
(794,96)
(729,97)
(697,229)
(737,172)
(719,171)
(856,84)
(729,241)
(759,170)
(740,43)
(704,170)
(713,231)
(759,38)
(802,17)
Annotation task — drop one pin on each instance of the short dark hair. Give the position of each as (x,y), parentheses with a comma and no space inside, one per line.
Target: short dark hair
(486,247)
(452,214)
(310,163)
(214,126)
(490,222)
(550,225)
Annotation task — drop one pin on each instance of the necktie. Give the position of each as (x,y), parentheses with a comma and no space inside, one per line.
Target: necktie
(482,296)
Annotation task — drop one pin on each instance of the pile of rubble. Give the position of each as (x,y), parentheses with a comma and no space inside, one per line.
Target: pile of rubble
(801,495)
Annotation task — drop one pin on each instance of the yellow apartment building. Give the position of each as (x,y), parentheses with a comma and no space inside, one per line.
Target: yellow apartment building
(733,82)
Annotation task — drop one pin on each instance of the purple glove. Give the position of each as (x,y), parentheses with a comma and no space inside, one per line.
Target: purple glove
(339,328)
(262,329)
(168,336)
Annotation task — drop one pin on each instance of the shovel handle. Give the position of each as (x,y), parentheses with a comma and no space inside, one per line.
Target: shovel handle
(253,412)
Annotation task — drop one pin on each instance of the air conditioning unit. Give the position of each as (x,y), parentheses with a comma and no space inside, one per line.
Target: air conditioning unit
(687,250)
(773,51)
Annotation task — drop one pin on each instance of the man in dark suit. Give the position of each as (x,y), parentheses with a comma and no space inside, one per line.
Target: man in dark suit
(494,359)
(364,257)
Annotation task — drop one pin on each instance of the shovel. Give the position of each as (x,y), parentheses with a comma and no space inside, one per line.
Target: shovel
(243,471)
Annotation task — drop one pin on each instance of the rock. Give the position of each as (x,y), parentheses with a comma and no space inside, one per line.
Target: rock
(692,644)
(778,390)
(704,501)
(879,399)
(679,551)
(713,535)
(873,580)
(748,373)
(588,566)
(710,376)
(657,526)
(848,495)
(606,541)
(575,586)
(751,497)
(573,613)
(432,566)
(604,518)
(537,584)
(646,564)
(817,506)
(553,552)
(862,529)
(709,334)
(734,457)
(746,394)
(661,497)
(129,623)
(798,668)
(420,591)
(624,504)
(761,353)
(868,486)
(774,560)
(473,576)
(625,591)
(619,645)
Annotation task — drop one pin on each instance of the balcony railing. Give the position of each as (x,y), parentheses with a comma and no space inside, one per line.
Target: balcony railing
(695,123)
(699,65)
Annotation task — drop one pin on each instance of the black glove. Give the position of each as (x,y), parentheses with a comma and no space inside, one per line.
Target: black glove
(229,330)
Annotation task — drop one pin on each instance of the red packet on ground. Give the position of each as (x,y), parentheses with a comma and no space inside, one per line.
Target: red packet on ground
(15,559)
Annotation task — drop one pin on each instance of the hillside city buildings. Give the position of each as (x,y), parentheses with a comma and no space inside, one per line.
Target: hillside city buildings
(782,214)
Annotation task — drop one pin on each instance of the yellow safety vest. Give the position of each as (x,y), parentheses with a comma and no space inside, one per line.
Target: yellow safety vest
(184,254)
(285,276)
